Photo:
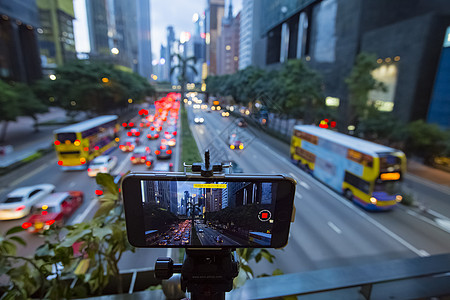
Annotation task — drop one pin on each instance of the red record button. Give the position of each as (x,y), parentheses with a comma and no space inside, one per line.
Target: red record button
(264,215)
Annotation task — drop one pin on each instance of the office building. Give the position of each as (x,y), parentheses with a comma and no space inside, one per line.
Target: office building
(214,13)
(250,42)
(144,39)
(19,51)
(406,39)
(97,17)
(55,35)
(228,44)
(224,198)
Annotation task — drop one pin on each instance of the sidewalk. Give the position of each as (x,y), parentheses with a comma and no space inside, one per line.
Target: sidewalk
(429,173)
(25,141)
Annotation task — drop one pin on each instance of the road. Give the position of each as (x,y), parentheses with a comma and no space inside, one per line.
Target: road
(328,230)
(46,170)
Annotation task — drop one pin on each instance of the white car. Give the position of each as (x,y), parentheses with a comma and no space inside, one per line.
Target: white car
(102,164)
(19,202)
(198,120)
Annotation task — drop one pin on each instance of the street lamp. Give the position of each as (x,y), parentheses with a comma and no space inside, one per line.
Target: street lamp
(115,51)
(52,77)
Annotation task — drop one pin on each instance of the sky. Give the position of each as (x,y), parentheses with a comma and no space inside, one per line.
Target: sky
(163,13)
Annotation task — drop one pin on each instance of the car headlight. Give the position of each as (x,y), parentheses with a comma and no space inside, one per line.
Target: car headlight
(201,120)
(196,120)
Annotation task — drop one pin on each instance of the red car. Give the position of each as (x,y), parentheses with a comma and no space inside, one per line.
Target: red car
(55,209)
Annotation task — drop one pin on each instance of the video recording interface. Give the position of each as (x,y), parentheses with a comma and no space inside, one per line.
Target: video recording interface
(191,213)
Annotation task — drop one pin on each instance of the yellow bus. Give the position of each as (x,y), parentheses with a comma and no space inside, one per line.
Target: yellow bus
(77,144)
(364,172)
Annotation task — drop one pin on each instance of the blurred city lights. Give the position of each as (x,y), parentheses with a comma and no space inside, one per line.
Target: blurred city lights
(52,77)
(115,51)
(105,80)
(130,100)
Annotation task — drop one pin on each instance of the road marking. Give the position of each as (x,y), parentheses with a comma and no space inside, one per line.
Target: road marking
(32,173)
(305,185)
(169,252)
(72,184)
(436,214)
(295,177)
(334,227)
(81,217)
(442,224)
(357,210)
(200,130)
(122,165)
(299,196)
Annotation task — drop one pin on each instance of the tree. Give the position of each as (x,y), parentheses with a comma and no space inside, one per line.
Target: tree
(425,140)
(301,90)
(29,104)
(360,82)
(183,66)
(94,87)
(9,107)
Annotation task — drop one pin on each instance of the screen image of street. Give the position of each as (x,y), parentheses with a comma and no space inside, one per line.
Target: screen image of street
(193,213)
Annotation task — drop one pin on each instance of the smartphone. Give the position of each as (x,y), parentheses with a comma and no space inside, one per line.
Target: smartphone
(190,211)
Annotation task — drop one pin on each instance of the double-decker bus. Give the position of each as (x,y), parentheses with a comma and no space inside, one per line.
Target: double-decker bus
(216,105)
(364,172)
(77,144)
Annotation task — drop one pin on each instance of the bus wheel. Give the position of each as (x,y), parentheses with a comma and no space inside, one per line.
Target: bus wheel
(348,194)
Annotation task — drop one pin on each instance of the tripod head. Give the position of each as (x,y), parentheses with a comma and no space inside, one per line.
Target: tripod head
(205,273)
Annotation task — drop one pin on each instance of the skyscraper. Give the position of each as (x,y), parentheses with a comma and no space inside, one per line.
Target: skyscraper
(56,38)
(98,27)
(228,44)
(144,39)
(214,14)
(250,43)
(19,52)
(170,50)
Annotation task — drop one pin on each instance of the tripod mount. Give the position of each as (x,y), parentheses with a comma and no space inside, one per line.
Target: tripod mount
(205,273)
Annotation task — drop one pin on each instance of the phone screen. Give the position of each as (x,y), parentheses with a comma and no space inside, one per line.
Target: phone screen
(199,213)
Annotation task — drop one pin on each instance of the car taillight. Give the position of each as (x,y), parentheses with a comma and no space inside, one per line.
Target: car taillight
(152,128)
(166,132)
(174,133)
(171,165)
(149,136)
(60,162)
(142,157)
(51,222)
(20,208)
(89,169)
(124,124)
(26,225)
(98,192)
(44,212)
(148,163)
(132,158)
(104,169)
(131,124)
(57,143)
(169,151)
(141,124)
(129,133)
(137,133)
(156,135)
(147,149)
(157,152)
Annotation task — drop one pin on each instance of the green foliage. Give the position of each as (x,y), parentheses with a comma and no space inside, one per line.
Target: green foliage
(292,91)
(425,140)
(248,255)
(100,242)
(9,106)
(93,87)
(190,153)
(360,82)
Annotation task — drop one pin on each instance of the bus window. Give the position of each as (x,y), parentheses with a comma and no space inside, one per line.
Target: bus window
(66,136)
(357,182)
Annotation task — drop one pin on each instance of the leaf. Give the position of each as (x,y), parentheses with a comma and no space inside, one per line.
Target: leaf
(104,209)
(8,247)
(267,255)
(44,250)
(101,232)
(72,239)
(82,267)
(258,257)
(18,240)
(247,268)
(107,181)
(14,230)
(277,272)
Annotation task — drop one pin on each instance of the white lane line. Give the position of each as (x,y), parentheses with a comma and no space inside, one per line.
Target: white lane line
(169,252)
(305,185)
(200,130)
(72,184)
(295,177)
(123,164)
(334,227)
(438,223)
(299,196)
(350,205)
(436,214)
(32,173)
(81,217)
